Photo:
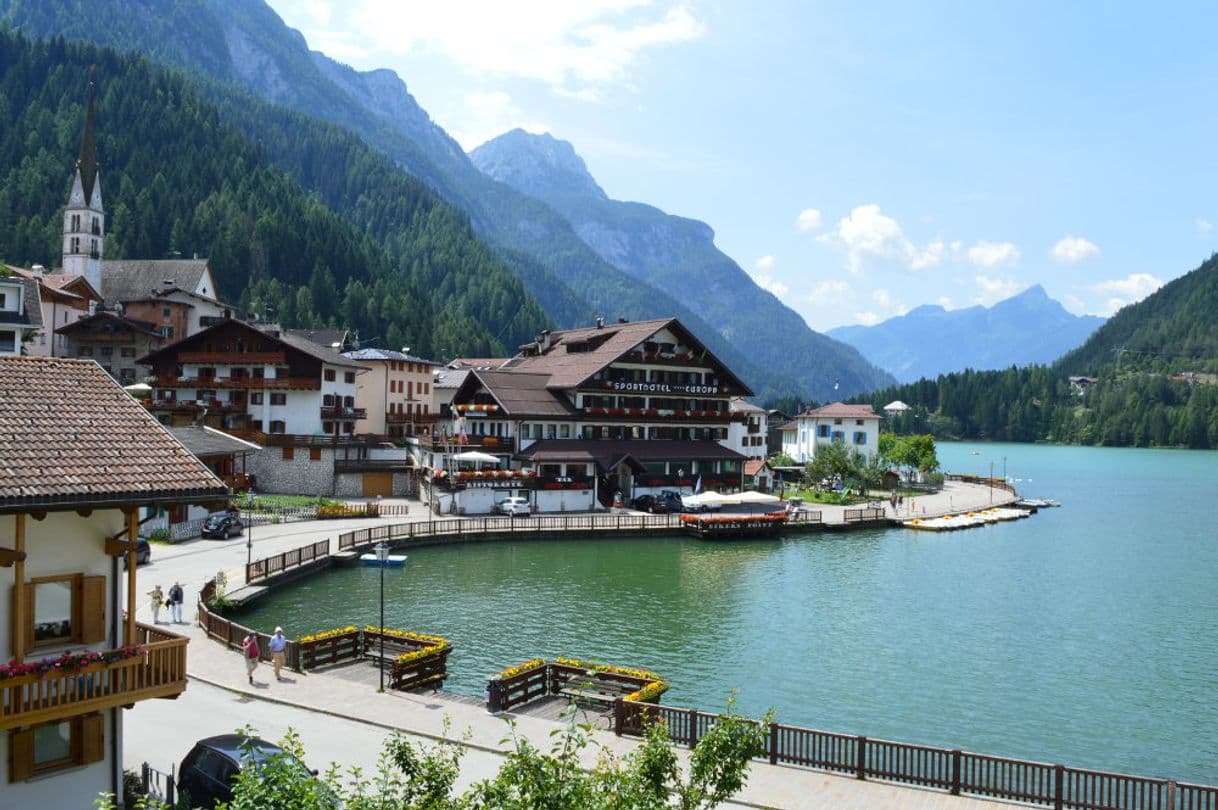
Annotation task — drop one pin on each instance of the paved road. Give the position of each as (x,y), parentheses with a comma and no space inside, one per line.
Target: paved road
(345,722)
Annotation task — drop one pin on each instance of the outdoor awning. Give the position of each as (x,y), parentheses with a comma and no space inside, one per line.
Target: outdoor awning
(476,456)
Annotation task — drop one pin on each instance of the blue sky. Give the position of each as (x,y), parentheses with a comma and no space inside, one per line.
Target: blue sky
(857,159)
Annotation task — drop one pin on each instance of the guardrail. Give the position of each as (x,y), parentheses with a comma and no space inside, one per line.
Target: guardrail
(866,513)
(361,538)
(952,770)
(267,567)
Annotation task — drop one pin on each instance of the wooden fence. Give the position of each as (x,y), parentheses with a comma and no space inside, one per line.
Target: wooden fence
(231,634)
(335,649)
(952,770)
(267,567)
(553,678)
(865,513)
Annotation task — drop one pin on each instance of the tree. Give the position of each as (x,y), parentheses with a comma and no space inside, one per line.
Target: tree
(409,776)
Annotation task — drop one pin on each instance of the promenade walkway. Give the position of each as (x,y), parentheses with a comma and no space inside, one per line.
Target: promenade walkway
(302,699)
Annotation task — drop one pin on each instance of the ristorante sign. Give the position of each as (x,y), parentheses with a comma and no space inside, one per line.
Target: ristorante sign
(664,388)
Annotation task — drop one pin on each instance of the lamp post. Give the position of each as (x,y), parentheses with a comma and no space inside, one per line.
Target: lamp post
(249,538)
(991,483)
(382,556)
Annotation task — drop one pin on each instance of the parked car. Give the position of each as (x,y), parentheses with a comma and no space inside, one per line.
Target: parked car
(143,552)
(513,506)
(674,502)
(223,525)
(653,504)
(206,775)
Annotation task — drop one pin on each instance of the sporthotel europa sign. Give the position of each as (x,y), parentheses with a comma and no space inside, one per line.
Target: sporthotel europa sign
(663,388)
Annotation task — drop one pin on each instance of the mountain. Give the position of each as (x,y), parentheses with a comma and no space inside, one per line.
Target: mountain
(1025,329)
(244,43)
(1173,329)
(678,255)
(180,180)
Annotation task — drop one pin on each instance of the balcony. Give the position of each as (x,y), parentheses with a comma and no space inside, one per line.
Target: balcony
(158,672)
(455,444)
(668,415)
(234,358)
(257,383)
(194,405)
(409,418)
(353,465)
(339,412)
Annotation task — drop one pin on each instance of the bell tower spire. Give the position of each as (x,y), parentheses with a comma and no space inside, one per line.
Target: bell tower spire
(84,218)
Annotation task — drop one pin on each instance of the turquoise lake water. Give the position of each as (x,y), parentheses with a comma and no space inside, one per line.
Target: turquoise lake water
(1086,635)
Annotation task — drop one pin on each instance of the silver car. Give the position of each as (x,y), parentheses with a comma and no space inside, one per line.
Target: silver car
(513,506)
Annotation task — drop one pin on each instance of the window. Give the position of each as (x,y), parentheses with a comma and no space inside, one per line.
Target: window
(256,398)
(8,341)
(107,351)
(279,399)
(314,454)
(564,431)
(860,437)
(67,609)
(3,300)
(127,351)
(289,453)
(166,312)
(52,746)
(349,377)
(169,332)
(207,372)
(277,426)
(329,375)
(127,375)
(822,431)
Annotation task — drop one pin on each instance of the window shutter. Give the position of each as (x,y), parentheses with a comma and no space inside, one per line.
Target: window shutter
(92,738)
(93,609)
(20,755)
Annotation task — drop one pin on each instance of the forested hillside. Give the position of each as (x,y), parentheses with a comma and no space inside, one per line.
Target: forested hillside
(177,178)
(1175,329)
(1154,363)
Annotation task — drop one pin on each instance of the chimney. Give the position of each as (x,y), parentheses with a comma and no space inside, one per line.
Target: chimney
(38,270)
(167,283)
(543,340)
(600,321)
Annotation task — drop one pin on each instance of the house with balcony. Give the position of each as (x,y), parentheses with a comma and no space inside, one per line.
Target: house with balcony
(856,426)
(748,430)
(114,341)
(80,461)
(64,299)
(20,313)
(396,392)
(583,417)
(277,389)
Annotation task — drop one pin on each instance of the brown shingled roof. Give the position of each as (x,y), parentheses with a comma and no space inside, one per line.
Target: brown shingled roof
(519,393)
(71,438)
(604,345)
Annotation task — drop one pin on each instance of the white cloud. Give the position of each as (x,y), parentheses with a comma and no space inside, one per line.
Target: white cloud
(992,255)
(994,289)
(1204,226)
(576,48)
(1074,249)
(866,318)
(944,302)
(764,265)
(487,115)
(1074,304)
(867,233)
(771,284)
(809,219)
(1128,290)
(831,292)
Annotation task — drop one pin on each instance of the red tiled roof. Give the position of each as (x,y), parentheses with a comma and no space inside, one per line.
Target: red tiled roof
(70,437)
(754,466)
(840,410)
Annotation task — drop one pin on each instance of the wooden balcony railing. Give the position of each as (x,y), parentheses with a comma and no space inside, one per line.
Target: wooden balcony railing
(340,412)
(407,418)
(256,383)
(234,358)
(158,672)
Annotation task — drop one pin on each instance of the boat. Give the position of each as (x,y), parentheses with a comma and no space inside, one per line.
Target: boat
(392,559)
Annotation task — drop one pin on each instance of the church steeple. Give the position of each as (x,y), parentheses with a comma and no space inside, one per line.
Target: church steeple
(84,218)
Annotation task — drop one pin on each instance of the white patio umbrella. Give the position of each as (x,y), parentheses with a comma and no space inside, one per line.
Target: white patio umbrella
(137,388)
(750,496)
(476,456)
(709,498)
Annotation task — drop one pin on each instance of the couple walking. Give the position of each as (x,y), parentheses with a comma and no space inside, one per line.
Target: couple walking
(173,601)
(277,645)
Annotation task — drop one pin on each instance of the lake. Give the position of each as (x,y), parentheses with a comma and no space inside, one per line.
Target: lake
(1086,635)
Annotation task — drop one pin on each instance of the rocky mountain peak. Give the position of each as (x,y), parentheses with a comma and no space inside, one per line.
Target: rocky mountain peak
(539,165)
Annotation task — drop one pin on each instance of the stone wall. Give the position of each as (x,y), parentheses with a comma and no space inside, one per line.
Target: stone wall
(299,475)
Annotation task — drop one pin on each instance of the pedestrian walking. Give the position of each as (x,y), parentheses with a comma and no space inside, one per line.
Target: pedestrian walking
(277,645)
(249,648)
(156,598)
(175,602)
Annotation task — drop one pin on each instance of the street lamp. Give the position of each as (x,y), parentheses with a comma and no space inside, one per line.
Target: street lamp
(249,537)
(382,556)
(991,483)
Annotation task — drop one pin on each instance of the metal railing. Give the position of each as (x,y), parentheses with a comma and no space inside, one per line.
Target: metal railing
(268,567)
